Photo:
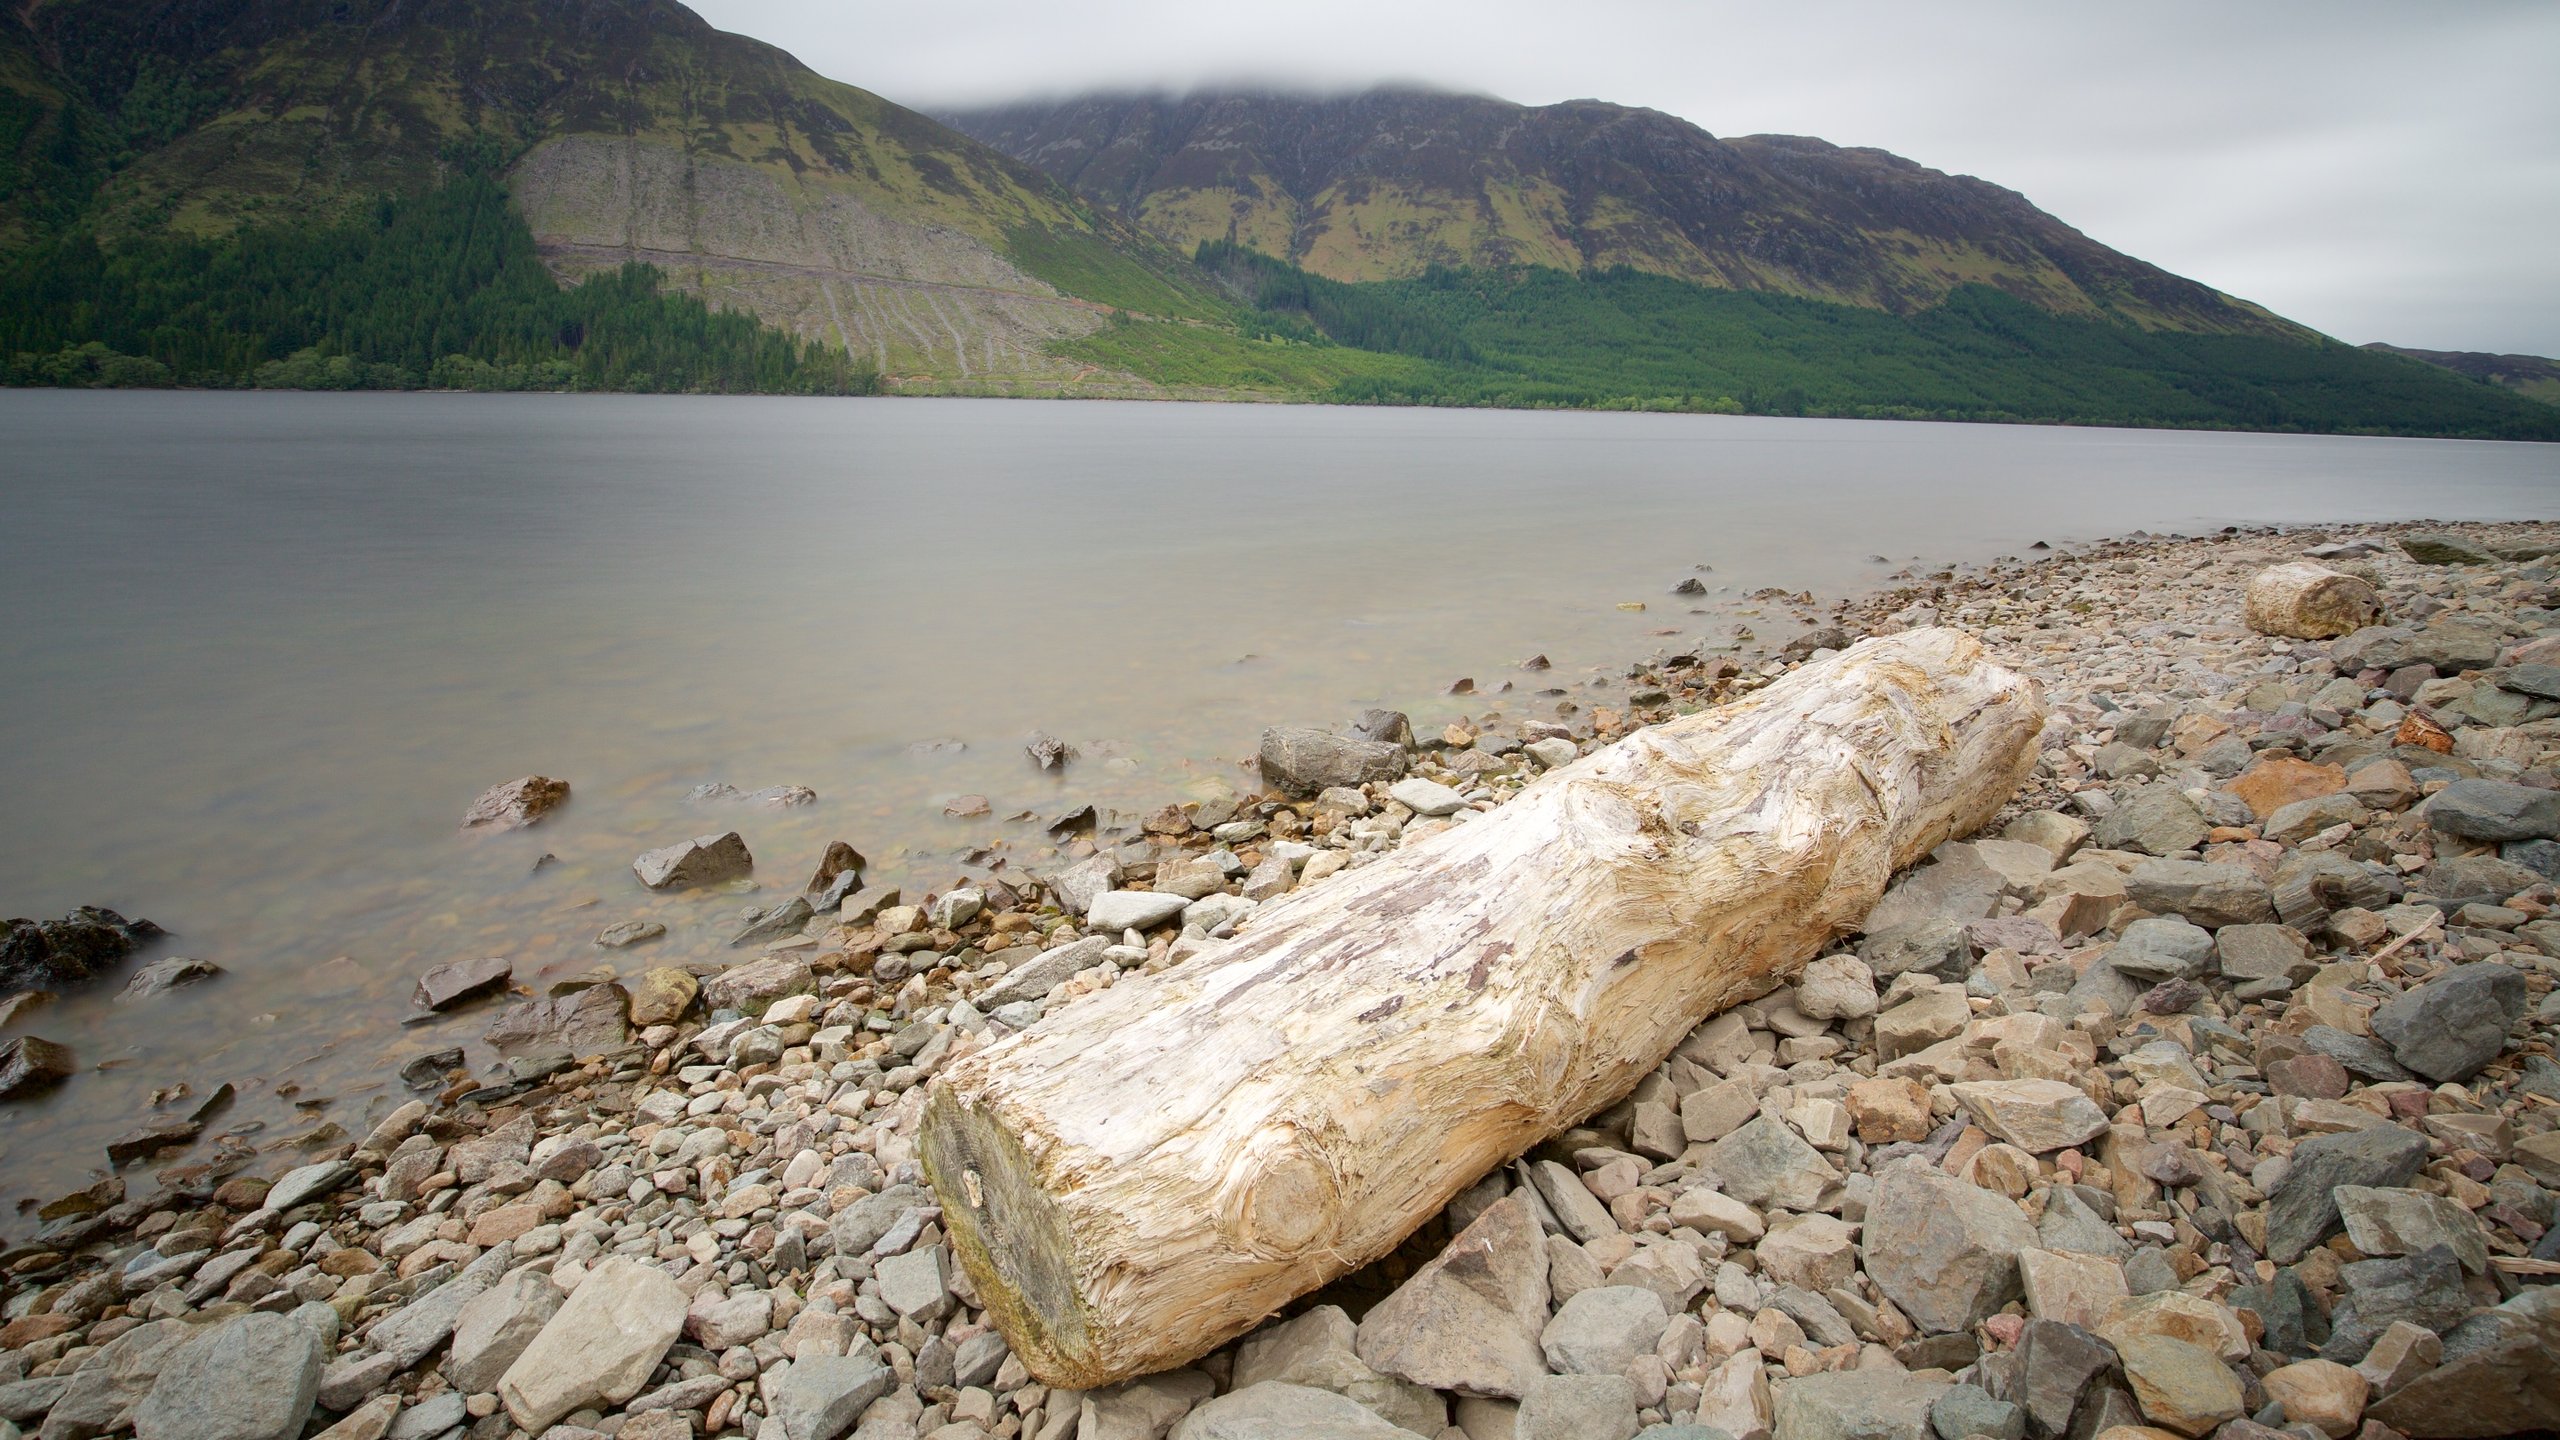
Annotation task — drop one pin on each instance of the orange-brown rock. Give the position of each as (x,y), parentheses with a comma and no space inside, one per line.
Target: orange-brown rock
(2276,781)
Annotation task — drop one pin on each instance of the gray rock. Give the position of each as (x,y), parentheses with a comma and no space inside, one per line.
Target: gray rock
(2162,948)
(430,1418)
(2450,1027)
(774,922)
(252,1377)
(1857,1405)
(2404,1222)
(1598,1331)
(1766,1163)
(1943,1250)
(1932,947)
(2207,893)
(2054,1367)
(1316,1349)
(702,860)
(1300,762)
(1140,910)
(2262,952)
(824,1394)
(2072,1226)
(1969,1410)
(493,1328)
(917,1284)
(592,1021)
(2496,1379)
(1046,971)
(1390,727)
(1946,890)
(2424,1289)
(1552,754)
(2436,548)
(1427,798)
(2369,1059)
(2303,1210)
(1274,1410)
(859,1226)
(103,1392)
(2477,877)
(1141,1409)
(2495,810)
(29,1063)
(1470,1319)
(1577,1407)
(446,986)
(600,1348)
(2156,821)
(628,933)
(1571,1202)
(307,1183)
(164,975)
(419,1328)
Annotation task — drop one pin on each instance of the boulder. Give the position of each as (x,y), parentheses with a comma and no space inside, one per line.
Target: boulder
(702,860)
(2450,1027)
(600,1348)
(824,1394)
(2497,1377)
(30,1063)
(1471,1319)
(2207,893)
(1599,1330)
(2494,810)
(2037,1116)
(1274,1410)
(516,804)
(2303,1209)
(1316,1349)
(1301,762)
(1858,1405)
(592,1021)
(80,946)
(251,1377)
(446,986)
(1945,1251)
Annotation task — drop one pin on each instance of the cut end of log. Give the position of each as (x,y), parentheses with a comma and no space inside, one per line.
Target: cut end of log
(1006,1229)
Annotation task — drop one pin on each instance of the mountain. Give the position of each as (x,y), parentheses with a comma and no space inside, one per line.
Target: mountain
(623,130)
(2535,377)
(1383,185)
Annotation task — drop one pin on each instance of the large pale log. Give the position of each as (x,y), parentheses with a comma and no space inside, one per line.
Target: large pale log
(2308,602)
(1154,1169)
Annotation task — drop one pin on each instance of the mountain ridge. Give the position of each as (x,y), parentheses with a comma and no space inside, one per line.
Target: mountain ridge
(1383,183)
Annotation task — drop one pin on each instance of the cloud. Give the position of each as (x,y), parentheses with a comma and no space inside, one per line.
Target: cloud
(2379,171)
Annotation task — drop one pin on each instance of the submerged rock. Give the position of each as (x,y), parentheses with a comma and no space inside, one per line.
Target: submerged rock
(1301,762)
(516,804)
(702,860)
(79,946)
(29,1063)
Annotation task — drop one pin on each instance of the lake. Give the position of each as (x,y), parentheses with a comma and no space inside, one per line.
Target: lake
(262,649)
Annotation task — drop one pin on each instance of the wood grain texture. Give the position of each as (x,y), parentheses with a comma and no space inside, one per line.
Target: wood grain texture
(2308,602)
(1156,1168)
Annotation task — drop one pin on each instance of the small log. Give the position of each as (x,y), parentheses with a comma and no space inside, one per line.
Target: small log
(1152,1171)
(2308,602)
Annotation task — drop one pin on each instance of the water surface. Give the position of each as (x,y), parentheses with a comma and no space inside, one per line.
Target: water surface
(260,650)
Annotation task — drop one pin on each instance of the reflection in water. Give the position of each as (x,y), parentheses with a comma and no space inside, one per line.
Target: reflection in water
(262,649)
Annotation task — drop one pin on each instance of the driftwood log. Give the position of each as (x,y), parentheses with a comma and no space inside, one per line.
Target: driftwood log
(2308,602)
(1156,1168)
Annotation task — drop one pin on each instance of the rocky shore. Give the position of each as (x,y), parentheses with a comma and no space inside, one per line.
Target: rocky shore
(2209,1093)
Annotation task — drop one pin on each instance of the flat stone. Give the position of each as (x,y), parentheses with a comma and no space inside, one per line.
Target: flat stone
(419,1328)
(1301,762)
(2079,1290)
(592,1021)
(1140,1409)
(2436,548)
(1571,1202)
(307,1183)
(494,1327)
(1316,1349)
(2274,781)
(1857,1405)
(779,921)
(1470,1320)
(1273,1410)
(702,860)
(2303,1209)
(1765,1163)
(1968,1410)
(2403,1222)
(430,1418)
(750,988)
(2179,1386)
(824,1394)
(2156,821)
(1598,1331)
(624,934)
(251,1377)
(1140,910)
(2494,810)
(1577,1407)
(917,1284)
(2497,1378)
(1944,1251)
(2162,947)
(1046,971)
(600,1348)
(2451,1027)
(2321,1393)
(2176,1315)
(1920,1022)
(2206,893)
(446,986)
(1427,798)
(173,972)
(516,803)
(2037,1116)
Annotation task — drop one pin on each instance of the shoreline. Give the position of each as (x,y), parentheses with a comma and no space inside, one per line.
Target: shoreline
(556,1171)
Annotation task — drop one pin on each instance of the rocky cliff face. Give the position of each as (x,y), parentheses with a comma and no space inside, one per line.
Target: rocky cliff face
(631,130)
(1383,184)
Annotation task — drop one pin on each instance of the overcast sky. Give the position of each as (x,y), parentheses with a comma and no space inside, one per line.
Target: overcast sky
(2378,171)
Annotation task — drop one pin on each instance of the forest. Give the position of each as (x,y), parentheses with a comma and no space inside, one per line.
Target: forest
(443,289)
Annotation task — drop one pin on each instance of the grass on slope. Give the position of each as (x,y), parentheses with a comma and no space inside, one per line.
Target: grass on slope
(1627,339)
(1184,356)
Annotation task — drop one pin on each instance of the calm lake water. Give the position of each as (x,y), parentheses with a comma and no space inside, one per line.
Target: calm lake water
(261,650)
